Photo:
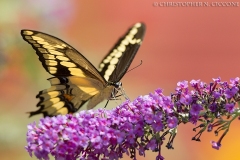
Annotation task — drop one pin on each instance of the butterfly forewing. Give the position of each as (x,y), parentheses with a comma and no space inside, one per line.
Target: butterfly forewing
(58,57)
(117,61)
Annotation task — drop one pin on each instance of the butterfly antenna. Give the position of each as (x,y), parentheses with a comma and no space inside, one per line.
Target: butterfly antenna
(135,67)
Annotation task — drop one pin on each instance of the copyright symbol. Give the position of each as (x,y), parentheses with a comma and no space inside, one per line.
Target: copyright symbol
(155,4)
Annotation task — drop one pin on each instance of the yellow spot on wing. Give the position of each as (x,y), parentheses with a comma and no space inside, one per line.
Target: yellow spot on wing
(111,66)
(43,42)
(61,111)
(125,42)
(106,77)
(76,72)
(58,105)
(50,102)
(55,52)
(50,62)
(51,94)
(138,41)
(54,108)
(133,41)
(108,72)
(27,32)
(49,56)
(109,57)
(129,37)
(37,38)
(52,70)
(48,47)
(114,52)
(118,54)
(114,61)
(137,25)
(68,64)
(105,60)
(121,48)
(101,65)
(133,31)
(62,58)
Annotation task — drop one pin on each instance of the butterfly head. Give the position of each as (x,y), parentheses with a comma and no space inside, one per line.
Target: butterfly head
(116,85)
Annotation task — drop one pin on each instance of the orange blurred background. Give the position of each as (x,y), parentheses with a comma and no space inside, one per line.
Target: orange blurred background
(181,43)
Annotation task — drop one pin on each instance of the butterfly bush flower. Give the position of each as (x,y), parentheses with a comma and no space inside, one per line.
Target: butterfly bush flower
(137,126)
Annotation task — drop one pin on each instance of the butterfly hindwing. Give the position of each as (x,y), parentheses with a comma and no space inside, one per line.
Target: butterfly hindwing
(117,61)
(67,95)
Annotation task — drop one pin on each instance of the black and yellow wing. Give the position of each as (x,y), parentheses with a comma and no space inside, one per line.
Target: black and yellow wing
(116,63)
(76,80)
(58,57)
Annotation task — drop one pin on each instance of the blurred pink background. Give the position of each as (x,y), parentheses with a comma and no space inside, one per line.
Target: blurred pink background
(181,43)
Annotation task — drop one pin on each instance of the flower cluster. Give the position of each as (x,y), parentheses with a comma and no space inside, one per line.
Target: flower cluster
(137,126)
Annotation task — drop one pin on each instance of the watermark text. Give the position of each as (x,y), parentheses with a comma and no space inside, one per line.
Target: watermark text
(196,4)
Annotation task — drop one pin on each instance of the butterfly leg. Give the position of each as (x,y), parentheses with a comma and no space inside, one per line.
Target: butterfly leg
(124,93)
(106,103)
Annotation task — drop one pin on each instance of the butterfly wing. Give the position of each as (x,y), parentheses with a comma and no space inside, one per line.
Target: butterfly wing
(68,94)
(58,57)
(116,63)
(76,80)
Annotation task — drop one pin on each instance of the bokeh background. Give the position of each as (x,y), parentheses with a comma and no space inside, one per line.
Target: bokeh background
(181,43)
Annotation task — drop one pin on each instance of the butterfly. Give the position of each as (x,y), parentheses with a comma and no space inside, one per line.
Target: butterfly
(76,81)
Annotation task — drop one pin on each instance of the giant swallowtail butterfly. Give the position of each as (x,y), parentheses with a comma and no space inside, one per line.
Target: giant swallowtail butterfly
(76,81)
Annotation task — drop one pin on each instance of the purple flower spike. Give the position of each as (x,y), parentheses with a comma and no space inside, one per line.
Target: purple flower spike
(137,126)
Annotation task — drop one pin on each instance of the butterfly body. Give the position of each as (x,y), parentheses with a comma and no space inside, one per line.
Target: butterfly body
(76,81)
